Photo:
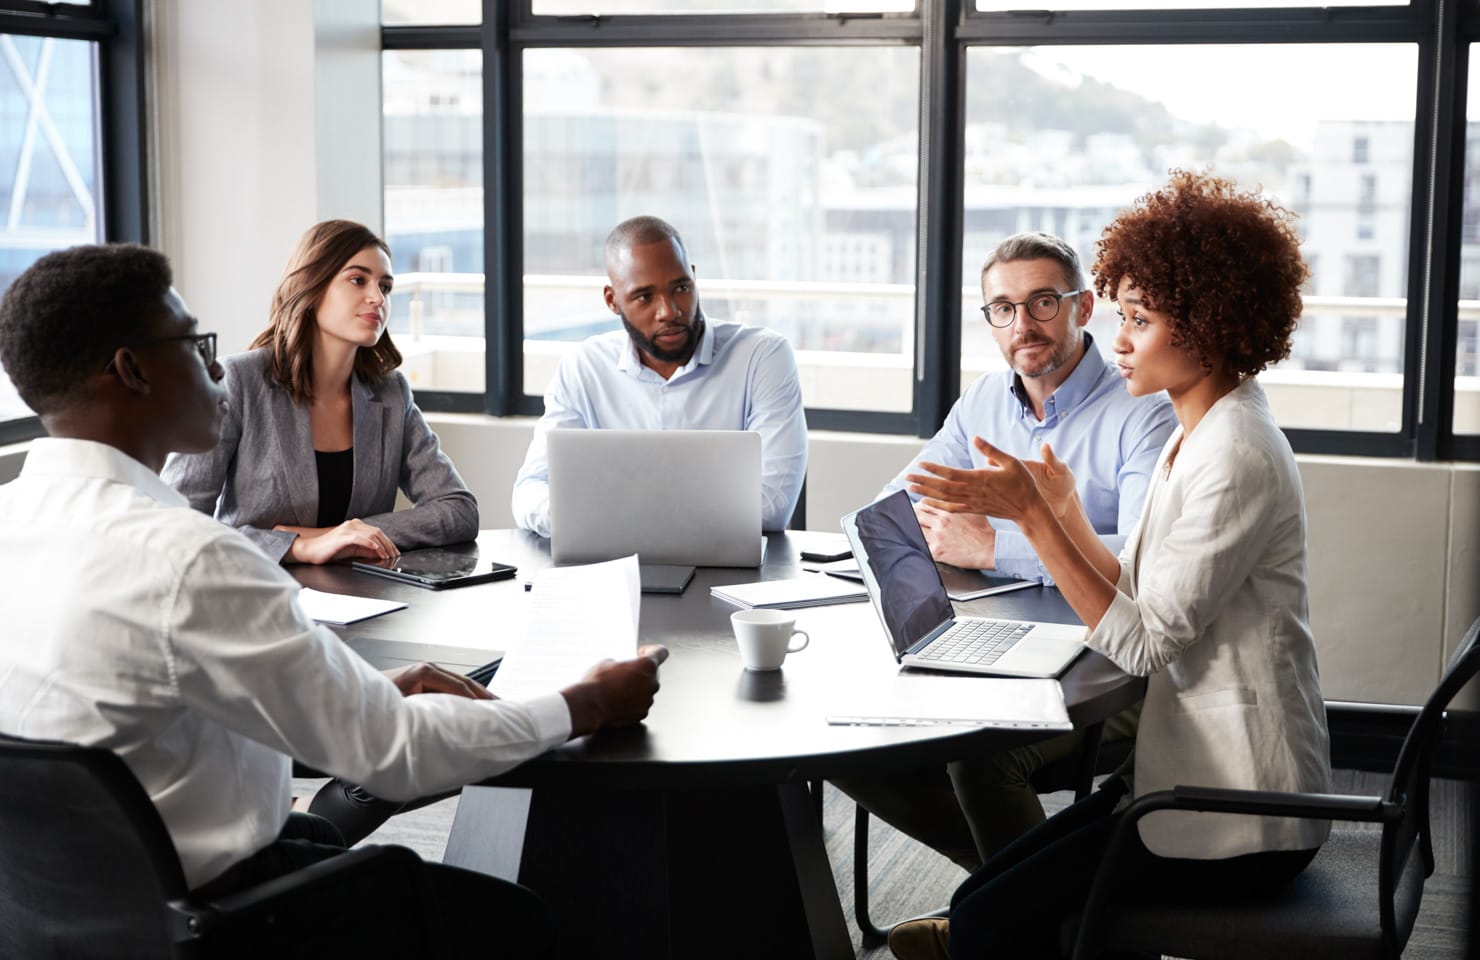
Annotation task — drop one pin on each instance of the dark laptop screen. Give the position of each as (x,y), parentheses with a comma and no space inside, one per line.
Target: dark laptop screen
(897,568)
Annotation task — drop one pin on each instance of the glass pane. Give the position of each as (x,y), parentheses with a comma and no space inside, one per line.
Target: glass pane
(1467,356)
(433,171)
(48,146)
(611,7)
(792,183)
(1062,138)
(431,12)
(999,5)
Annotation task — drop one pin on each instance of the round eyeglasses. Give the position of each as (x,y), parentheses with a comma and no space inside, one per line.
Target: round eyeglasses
(1042,307)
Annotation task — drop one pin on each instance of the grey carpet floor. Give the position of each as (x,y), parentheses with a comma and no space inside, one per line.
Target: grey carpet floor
(907,879)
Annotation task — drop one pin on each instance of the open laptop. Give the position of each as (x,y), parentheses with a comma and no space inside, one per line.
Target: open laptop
(670,496)
(911,601)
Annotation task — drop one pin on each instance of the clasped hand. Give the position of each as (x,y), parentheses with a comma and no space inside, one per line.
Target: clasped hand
(1006,487)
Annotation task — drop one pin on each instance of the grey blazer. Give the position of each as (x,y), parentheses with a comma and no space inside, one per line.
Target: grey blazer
(262,473)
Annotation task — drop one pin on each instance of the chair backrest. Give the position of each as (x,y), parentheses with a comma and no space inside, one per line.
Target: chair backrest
(86,865)
(1410,783)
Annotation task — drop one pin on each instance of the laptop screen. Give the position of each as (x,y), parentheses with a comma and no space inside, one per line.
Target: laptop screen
(897,568)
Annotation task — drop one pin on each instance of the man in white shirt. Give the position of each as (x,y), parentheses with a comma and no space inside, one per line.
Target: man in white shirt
(670,368)
(138,624)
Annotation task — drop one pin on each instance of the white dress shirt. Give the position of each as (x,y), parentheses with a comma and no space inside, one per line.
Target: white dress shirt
(739,378)
(138,624)
(1212,606)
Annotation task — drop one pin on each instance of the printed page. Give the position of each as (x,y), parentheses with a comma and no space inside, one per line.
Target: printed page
(575,618)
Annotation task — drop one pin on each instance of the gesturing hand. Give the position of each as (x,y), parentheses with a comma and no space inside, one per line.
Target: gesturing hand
(1004,488)
(1055,481)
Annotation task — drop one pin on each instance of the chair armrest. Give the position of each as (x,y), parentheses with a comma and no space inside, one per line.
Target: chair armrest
(1267,803)
(374,896)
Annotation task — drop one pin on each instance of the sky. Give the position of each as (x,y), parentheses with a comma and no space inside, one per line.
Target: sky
(1278,90)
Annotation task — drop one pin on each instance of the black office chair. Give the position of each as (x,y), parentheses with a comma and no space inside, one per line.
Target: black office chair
(87,869)
(1358,898)
(1071,773)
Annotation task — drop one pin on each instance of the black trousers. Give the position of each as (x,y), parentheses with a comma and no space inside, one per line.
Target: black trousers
(1015,905)
(477,913)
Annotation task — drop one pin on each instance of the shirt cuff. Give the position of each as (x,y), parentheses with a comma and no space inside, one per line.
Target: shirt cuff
(1117,631)
(1014,557)
(551,716)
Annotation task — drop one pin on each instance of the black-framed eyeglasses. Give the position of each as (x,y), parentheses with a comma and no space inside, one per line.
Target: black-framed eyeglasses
(205,345)
(1042,307)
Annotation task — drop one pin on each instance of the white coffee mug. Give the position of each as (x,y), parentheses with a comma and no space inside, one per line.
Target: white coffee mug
(765,637)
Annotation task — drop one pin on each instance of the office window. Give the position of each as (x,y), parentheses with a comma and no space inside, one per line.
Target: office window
(609,8)
(790,171)
(399,12)
(1062,138)
(433,169)
(1000,5)
(1467,353)
(48,158)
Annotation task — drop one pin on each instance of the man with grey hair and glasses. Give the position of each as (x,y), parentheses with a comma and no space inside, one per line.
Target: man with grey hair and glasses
(1060,390)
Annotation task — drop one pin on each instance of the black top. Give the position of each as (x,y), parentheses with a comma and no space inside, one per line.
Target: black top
(336,478)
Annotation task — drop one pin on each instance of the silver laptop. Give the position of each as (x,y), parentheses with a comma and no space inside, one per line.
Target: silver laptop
(911,601)
(669,496)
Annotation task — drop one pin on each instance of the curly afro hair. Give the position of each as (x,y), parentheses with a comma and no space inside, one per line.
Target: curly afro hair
(1224,264)
(64,316)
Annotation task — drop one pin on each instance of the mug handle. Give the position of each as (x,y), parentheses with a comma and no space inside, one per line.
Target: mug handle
(805,640)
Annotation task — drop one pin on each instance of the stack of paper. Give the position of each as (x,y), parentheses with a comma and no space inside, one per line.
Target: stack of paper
(577,617)
(809,590)
(926,699)
(341,608)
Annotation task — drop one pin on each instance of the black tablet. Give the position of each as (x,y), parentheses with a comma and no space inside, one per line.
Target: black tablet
(437,569)
(664,577)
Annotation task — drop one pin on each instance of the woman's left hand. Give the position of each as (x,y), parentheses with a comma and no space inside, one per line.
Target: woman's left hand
(1004,488)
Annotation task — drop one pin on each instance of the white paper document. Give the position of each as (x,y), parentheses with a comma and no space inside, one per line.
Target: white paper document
(808,590)
(576,617)
(922,699)
(342,608)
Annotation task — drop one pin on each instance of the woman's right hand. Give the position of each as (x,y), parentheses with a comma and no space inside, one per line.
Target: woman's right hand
(351,540)
(1055,481)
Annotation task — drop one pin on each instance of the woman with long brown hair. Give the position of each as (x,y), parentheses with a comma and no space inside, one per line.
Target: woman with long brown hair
(323,429)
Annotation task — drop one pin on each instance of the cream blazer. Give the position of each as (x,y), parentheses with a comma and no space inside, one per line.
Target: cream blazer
(263,473)
(1212,607)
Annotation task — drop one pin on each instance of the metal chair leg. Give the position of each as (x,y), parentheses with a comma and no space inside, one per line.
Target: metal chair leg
(872,935)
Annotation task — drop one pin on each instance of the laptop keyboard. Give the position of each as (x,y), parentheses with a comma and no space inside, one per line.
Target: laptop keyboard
(976,641)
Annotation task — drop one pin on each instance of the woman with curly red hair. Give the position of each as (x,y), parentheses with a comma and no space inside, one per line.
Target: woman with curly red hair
(1208,599)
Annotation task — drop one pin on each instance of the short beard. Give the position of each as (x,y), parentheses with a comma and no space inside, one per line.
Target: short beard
(1055,361)
(679,355)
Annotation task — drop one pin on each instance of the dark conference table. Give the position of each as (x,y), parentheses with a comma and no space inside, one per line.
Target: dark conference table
(694,834)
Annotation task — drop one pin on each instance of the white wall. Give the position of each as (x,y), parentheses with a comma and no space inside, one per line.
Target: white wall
(248,99)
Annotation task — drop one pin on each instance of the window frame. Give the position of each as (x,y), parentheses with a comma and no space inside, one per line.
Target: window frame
(944,30)
(117,27)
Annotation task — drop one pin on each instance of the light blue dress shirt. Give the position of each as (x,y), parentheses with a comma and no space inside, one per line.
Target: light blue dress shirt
(1109,438)
(739,378)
